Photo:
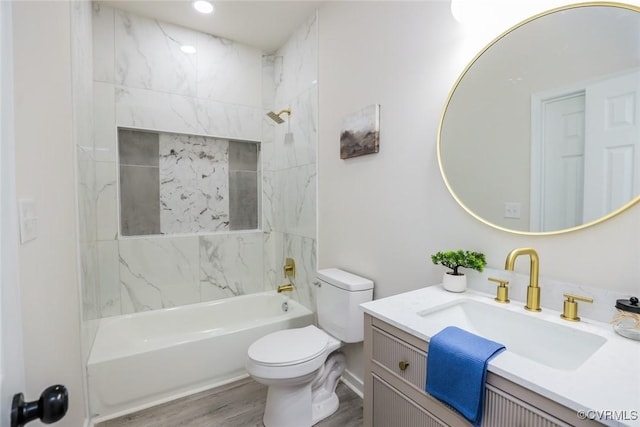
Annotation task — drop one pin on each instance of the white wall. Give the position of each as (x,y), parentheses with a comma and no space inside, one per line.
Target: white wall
(45,171)
(383,215)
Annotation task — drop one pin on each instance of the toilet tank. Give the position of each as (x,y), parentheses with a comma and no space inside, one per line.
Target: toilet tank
(338,298)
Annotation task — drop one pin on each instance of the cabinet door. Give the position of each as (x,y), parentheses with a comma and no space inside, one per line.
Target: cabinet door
(392,409)
(504,410)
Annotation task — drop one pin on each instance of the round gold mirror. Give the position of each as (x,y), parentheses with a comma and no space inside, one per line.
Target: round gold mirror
(541,132)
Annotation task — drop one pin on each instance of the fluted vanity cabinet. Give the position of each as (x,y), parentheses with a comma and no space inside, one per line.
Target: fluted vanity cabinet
(394,396)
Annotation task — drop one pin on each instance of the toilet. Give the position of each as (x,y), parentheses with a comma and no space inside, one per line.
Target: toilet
(301,366)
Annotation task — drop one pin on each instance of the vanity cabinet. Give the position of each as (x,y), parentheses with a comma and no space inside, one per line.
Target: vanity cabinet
(394,396)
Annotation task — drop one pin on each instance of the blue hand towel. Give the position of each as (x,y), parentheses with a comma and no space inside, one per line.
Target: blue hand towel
(456,370)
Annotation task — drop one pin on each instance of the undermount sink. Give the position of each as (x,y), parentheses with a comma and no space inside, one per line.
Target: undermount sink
(551,344)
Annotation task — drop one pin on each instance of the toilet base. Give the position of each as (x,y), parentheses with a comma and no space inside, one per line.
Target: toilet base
(292,407)
(304,405)
(288,406)
(324,409)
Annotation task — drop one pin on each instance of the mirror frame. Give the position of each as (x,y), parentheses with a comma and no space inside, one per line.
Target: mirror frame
(610,215)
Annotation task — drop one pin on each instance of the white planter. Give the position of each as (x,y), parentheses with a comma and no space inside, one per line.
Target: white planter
(454,283)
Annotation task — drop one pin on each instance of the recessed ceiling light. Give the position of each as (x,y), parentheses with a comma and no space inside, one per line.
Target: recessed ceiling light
(203,6)
(188,49)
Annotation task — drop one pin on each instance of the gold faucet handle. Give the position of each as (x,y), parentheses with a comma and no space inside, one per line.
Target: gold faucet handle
(570,309)
(502,290)
(290,268)
(571,297)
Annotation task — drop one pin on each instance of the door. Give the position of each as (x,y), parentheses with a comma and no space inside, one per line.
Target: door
(564,142)
(12,379)
(612,156)
(557,185)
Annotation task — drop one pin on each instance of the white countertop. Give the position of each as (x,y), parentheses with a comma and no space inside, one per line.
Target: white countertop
(607,385)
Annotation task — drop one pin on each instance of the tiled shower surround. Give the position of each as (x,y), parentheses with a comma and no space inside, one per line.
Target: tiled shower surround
(142,81)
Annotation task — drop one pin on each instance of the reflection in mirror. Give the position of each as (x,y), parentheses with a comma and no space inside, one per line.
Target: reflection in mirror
(542,131)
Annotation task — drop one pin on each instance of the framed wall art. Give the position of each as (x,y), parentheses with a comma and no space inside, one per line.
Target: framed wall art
(360,133)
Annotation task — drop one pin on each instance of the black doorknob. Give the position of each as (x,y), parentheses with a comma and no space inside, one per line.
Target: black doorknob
(51,407)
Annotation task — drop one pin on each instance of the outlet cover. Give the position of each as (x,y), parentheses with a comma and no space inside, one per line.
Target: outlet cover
(28,220)
(512,210)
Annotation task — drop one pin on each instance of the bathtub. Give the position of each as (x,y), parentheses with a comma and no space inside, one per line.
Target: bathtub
(143,359)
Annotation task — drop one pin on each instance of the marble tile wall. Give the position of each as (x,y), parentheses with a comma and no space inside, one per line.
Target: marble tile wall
(141,80)
(194,184)
(231,264)
(81,64)
(83,140)
(289,161)
(158,273)
(141,274)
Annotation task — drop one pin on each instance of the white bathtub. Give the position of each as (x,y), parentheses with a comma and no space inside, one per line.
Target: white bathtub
(142,359)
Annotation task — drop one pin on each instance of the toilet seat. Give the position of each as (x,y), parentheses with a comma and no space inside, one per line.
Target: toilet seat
(290,355)
(289,347)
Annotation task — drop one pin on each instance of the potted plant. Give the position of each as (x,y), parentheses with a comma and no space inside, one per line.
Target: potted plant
(454,280)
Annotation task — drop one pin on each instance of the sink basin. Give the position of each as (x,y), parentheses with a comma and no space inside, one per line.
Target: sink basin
(551,344)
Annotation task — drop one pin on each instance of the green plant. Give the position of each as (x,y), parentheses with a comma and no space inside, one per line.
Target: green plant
(457,259)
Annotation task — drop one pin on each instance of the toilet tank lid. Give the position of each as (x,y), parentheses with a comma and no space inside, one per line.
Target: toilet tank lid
(344,279)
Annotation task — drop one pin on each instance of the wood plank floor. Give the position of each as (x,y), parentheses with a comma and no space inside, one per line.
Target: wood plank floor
(239,404)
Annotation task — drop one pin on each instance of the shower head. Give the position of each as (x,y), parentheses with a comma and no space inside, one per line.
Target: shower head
(276,117)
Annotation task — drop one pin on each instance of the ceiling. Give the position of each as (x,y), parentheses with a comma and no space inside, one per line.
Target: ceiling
(261,23)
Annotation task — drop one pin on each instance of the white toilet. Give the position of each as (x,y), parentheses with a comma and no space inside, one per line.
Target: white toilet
(302,366)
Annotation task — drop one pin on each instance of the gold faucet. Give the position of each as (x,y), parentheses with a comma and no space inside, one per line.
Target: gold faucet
(533,291)
(287,287)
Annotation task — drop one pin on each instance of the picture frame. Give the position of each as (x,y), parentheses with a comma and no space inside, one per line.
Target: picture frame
(360,133)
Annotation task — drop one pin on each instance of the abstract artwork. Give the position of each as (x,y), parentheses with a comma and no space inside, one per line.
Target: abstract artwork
(361,133)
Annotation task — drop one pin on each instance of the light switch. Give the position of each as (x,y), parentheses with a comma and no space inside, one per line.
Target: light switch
(28,220)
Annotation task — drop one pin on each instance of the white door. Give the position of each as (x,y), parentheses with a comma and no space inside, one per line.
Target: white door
(612,156)
(12,379)
(563,142)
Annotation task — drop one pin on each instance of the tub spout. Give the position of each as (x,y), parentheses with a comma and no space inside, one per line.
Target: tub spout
(288,287)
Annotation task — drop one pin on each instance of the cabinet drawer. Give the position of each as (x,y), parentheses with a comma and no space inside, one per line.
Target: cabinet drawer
(391,352)
(392,409)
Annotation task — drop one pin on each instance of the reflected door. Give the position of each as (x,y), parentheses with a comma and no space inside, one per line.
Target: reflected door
(612,156)
(563,162)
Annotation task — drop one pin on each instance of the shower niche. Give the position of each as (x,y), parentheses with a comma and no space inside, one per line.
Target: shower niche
(183,184)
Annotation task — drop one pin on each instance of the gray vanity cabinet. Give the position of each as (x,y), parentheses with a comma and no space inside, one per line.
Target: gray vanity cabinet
(394,396)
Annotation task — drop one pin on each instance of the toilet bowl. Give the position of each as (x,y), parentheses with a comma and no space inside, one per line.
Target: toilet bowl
(302,366)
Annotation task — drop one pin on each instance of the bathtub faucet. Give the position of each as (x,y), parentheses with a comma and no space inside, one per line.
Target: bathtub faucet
(287,287)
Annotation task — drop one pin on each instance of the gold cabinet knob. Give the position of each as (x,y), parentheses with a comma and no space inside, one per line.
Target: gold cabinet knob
(403,365)
(570,309)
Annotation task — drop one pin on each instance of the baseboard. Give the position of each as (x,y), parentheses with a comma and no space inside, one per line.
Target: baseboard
(353,382)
